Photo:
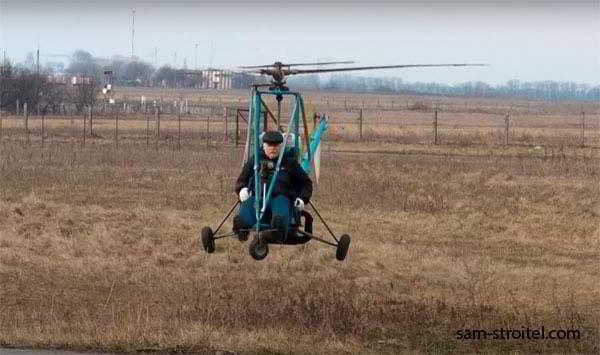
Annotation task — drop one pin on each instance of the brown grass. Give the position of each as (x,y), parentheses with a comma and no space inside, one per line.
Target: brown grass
(99,248)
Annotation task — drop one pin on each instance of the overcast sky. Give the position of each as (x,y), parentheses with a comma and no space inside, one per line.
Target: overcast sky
(524,40)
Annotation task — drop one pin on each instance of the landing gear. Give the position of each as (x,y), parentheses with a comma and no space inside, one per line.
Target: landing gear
(238,229)
(266,234)
(342,247)
(208,240)
(259,246)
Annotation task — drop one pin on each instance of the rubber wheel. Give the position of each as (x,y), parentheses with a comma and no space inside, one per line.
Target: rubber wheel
(258,249)
(208,242)
(342,248)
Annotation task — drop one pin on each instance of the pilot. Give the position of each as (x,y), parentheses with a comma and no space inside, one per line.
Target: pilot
(292,184)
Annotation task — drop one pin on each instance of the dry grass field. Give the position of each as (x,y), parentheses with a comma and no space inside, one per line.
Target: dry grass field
(99,245)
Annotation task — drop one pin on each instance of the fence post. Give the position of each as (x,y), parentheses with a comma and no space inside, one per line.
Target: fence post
(506,127)
(208,131)
(72,131)
(360,123)
(43,115)
(91,124)
(147,125)
(18,107)
(583,129)
(226,135)
(157,125)
(26,113)
(179,126)
(1,123)
(117,128)
(435,127)
(84,126)
(237,127)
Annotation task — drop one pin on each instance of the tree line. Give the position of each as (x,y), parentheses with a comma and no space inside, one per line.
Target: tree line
(546,90)
(47,87)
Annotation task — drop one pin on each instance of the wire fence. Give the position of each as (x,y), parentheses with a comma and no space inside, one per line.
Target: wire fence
(181,123)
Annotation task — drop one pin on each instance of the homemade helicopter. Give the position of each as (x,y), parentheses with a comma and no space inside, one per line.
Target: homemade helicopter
(265,174)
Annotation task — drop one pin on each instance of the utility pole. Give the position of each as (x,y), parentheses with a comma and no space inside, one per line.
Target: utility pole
(2,69)
(37,78)
(132,30)
(211,54)
(196,57)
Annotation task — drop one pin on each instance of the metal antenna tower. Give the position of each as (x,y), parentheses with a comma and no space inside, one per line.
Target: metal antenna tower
(132,30)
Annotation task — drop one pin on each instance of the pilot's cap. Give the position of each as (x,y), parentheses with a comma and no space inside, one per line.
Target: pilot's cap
(273,137)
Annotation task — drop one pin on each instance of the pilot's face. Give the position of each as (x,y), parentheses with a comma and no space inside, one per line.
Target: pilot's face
(271,150)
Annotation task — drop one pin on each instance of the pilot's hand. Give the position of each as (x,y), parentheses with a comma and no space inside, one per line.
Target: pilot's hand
(299,204)
(245,194)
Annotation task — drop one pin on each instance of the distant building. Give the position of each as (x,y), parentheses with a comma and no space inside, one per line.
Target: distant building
(216,79)
(81,80)
(58,78)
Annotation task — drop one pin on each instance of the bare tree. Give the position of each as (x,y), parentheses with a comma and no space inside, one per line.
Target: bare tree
(7,92)
(51,96)
(85,95)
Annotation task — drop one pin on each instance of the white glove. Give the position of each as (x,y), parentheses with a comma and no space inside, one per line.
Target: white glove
(299,204)
(245,194)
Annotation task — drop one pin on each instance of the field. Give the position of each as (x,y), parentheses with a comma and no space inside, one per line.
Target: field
(99,241)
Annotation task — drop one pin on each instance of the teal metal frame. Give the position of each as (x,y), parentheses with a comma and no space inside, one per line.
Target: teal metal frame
(262,199)
(263,193)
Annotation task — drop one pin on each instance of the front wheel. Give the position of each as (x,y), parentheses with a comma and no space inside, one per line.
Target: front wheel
(259,247)
(342,247)
(208,240)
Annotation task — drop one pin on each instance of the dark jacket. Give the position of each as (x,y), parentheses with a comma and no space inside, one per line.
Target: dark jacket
(292,180)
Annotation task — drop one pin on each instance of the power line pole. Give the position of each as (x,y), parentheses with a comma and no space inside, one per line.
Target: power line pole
(132,30)
(37,78)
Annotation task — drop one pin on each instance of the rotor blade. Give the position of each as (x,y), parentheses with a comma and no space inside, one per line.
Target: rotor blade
(257,66)
(274,65)
(322,63)
(307,71)
(262,72)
